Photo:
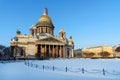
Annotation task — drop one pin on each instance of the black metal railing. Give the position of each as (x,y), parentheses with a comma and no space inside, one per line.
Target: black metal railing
(73,70)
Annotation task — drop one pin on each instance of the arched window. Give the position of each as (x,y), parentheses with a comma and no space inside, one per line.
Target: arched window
(32,32)
(41,30)
(62,34)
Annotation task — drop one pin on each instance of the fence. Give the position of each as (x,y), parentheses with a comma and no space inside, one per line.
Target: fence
(68,69)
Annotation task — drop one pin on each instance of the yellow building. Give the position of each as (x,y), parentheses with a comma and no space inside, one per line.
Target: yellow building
(98,52)
(41,41)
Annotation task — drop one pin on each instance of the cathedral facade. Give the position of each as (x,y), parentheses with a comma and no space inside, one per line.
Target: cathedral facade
(41,42)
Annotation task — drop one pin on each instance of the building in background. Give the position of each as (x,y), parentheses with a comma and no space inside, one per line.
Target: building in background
(41,41)
(98,52)
(78,53)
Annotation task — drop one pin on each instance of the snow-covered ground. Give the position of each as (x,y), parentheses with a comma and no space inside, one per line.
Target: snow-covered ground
(56,69)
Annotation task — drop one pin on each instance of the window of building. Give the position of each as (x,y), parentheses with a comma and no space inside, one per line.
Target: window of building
(41,30)
(32,32)
(46,30)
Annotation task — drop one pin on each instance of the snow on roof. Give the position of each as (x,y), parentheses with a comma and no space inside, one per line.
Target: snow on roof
(98,46)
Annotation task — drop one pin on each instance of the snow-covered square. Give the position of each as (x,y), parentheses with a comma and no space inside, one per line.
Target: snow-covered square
(61,69)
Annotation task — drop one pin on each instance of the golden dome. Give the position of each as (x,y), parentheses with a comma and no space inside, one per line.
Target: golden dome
(45,20)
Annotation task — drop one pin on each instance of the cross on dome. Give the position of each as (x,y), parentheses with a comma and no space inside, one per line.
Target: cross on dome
(45,11)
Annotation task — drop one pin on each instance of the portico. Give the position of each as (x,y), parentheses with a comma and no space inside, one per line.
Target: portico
(53,51)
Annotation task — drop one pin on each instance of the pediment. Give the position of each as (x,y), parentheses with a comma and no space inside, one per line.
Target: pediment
(50,39)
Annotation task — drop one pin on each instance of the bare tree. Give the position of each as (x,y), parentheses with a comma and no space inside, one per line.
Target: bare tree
(88,54)
(104,54)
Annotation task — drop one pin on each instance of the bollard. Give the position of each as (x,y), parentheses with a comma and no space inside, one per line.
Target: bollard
(103,71)
(43,67)
(66,69)
(31,64)
(82,70)
(36,65)
(53,68)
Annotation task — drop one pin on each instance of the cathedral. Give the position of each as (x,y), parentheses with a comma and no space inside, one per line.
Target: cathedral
(41,42)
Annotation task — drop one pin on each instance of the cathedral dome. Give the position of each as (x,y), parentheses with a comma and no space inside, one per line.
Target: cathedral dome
(45,20)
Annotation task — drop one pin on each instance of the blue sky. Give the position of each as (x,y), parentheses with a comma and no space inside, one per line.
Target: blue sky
(89,22)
